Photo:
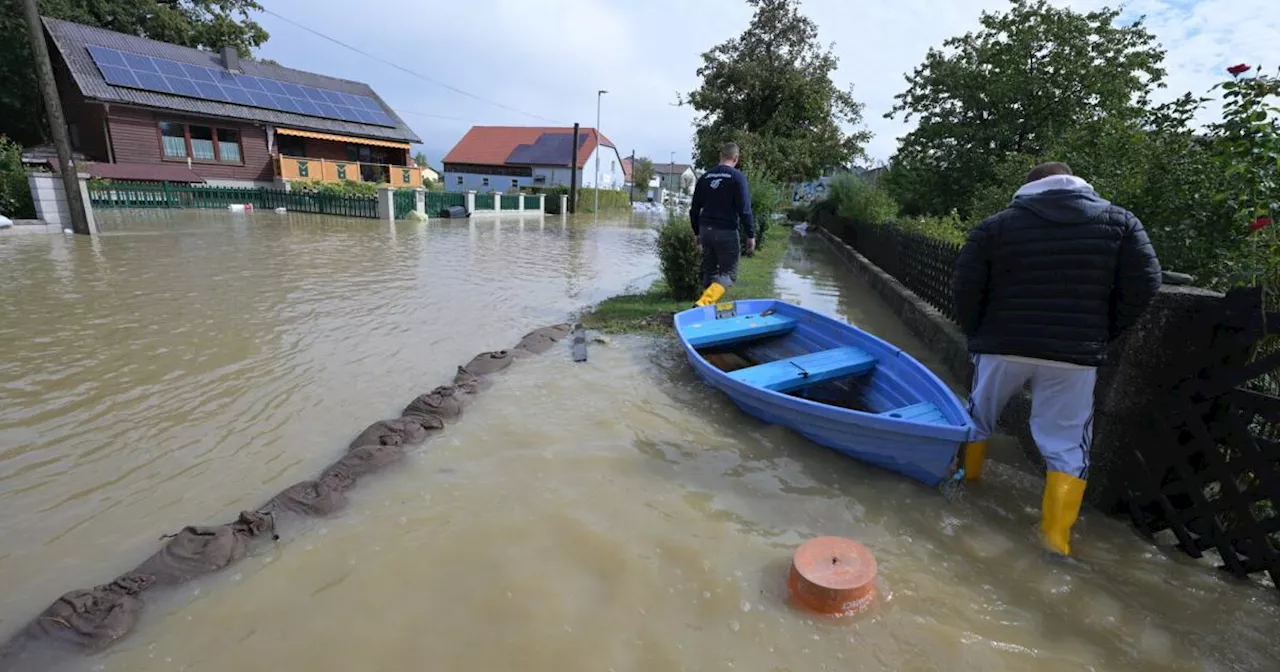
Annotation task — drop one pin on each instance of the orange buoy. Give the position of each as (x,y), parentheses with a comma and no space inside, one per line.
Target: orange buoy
(833,576)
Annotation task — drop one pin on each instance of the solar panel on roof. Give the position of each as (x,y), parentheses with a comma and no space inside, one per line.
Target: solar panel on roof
(138,71)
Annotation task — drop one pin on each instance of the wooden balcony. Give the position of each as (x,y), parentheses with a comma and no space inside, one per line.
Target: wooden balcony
(304,169)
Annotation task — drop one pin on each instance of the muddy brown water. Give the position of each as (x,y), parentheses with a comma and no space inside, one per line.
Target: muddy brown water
(612,515)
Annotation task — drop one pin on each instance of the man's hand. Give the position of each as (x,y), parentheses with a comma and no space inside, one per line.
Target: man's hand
(751,244)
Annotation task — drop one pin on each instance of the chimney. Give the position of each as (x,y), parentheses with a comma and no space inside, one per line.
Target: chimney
(231,59)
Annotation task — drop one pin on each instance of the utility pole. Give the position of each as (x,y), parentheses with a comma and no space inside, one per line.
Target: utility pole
(599,145)
(573,173)
(671,168)
(57,123)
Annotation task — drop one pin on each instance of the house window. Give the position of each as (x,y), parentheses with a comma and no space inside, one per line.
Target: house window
(484,181)
(174,137)
(515,184)
(291,145)
(459,180)
(201,143)
(229,145)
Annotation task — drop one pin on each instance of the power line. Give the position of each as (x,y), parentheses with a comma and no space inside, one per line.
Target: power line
(411,72)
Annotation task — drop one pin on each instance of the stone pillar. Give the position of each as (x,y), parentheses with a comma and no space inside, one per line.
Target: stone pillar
(497,201)
(471,203)
(542,203)
(386,203)
(564,204)
(420,201)
(88,207)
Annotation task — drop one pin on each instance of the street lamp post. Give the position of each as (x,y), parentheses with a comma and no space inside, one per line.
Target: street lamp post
(599,144)
(671,168)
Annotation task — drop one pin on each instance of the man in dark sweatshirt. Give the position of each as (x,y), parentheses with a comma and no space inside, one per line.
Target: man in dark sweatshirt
(1042,289)
(721,202)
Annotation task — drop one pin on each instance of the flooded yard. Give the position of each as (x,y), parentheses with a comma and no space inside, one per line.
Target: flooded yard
(612,515)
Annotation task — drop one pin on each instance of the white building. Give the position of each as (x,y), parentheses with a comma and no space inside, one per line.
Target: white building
(502,158)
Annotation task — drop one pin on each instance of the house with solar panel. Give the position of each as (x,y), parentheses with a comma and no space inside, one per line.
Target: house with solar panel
(502,158)
(145,110)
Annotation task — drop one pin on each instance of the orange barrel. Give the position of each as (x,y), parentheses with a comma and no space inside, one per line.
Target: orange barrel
(832,575)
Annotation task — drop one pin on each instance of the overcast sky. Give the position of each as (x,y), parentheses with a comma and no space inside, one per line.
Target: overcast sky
(547,59)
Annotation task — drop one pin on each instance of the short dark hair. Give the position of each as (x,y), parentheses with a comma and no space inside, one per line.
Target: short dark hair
(729,151)
(1046,169)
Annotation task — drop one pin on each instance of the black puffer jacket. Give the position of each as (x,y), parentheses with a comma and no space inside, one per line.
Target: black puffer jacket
(1057,275)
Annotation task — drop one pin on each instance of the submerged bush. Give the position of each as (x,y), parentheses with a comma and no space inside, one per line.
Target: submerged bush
(766,199)
(679,258)
(345,188)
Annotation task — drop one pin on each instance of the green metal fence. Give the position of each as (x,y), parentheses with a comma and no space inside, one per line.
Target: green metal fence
(439,200)
(510,202)
(484,202)
(531,203)
(404,202)
(165,195)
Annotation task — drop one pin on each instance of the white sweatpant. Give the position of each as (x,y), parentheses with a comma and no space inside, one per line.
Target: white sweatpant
(1061,406)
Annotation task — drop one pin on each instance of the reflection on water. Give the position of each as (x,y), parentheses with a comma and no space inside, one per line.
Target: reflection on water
(608,515)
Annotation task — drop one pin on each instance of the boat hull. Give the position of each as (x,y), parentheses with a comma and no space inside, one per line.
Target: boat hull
(923,450)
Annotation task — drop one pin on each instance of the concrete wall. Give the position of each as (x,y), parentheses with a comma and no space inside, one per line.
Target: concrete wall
(1130,397)
(51,202)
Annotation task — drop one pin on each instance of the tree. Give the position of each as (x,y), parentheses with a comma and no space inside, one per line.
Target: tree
(1031,76)
(770,90)
(192,23)
(642,172)
(421,159)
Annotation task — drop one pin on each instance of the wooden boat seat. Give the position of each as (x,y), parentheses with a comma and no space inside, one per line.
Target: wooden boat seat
(922,412)
(794,373)
(740,329)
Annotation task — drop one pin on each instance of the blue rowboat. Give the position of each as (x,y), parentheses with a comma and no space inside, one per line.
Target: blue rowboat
(829,381)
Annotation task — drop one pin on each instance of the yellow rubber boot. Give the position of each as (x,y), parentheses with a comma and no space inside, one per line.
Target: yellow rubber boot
(975,454)
(1063,494)
(712,294)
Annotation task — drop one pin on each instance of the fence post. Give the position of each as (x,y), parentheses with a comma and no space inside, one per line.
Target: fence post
(386,203)
(497,201)
(520,200)
(564,204)
(88,204)
(542,203)
(471,202)
(420,201)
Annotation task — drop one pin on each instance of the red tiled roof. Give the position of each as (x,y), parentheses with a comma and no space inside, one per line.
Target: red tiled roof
(626,167)
(491,145)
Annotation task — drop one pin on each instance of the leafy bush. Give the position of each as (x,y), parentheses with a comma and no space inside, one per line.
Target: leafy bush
(861,200)
(766,199)
(15,192)
(949,227)
(345,188)
(679,258)
(610,199)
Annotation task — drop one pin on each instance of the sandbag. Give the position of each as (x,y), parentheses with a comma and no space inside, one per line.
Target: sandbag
(486,363)
(470,381)
(446,402)
(342,475)
(403,431)
(89,620)
(195,551)
(309,498)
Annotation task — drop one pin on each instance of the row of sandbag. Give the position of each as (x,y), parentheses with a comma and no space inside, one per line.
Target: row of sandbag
(90,620)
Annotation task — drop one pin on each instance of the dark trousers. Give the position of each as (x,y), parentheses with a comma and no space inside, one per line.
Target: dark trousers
(720,250)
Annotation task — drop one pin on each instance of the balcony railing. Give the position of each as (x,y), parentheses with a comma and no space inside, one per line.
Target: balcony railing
(324,170)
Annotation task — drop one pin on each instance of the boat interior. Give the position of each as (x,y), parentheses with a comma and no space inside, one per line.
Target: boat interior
(766,350)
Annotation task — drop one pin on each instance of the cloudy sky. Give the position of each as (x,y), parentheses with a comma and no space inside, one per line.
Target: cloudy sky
(525,62)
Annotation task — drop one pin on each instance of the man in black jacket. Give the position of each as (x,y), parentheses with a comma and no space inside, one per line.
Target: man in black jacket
(1042,289)
(721,202)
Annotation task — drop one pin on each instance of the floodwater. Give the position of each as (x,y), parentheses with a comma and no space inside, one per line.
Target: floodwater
(609,515)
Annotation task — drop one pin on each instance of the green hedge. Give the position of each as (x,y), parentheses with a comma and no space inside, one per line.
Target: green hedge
(15,192)
(609,200)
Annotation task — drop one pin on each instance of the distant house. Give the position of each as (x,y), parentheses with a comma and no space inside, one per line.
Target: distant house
(677,177)
(140,109)
(498,158)
(429,174)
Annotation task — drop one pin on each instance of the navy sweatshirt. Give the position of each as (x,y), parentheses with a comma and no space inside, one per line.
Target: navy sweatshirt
(721,200)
